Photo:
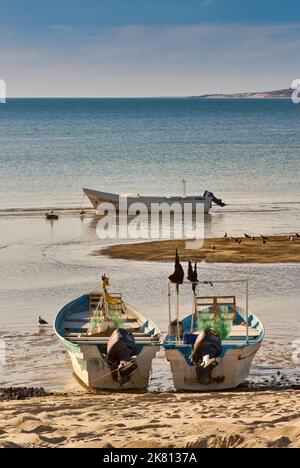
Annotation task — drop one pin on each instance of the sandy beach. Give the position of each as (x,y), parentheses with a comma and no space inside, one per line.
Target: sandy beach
(239,419)
(275,249)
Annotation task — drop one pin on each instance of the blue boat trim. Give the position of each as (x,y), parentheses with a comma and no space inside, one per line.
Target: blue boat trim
(240,342)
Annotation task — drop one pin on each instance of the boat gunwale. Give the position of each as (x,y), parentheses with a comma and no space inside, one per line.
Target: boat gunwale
(135,312)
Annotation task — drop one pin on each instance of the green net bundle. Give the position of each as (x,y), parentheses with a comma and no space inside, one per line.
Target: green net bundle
(221,325)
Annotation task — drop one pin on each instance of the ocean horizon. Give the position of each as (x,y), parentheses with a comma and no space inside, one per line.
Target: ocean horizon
(245,151)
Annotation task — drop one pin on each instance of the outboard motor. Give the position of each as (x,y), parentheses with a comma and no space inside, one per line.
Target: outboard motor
(207,348)
(215,200)
(121,349)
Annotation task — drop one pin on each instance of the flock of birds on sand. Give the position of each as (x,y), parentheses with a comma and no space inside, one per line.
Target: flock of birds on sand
(263,238)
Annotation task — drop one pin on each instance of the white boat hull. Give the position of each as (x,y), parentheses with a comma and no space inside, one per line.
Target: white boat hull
(233,370)
(128,203)
(89,353)
(93,371)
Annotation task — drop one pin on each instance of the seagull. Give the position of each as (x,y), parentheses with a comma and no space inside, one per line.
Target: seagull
(42,321)
(247,236)
(236,239)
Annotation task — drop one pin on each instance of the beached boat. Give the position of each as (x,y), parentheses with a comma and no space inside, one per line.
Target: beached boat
(201,358)
(110,343)
(123,202)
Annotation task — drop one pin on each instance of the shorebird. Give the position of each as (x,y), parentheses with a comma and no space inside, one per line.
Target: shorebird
(235,239)
(42,321)
(50,214)
(247,236)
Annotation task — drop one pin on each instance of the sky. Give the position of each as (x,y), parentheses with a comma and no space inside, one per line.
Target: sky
(136,48)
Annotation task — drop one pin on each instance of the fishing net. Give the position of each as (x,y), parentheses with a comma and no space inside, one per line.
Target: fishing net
(103,323)
(221,324)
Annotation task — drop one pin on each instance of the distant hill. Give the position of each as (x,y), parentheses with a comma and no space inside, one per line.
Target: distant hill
(281,93)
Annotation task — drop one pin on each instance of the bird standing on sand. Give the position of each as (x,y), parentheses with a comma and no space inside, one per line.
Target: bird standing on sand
(42,321)
(247,236)
(236,239)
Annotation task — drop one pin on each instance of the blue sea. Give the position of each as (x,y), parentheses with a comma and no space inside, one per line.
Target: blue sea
(245,151)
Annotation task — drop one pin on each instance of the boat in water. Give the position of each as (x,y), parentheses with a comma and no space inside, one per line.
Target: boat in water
(212,348)
(122,203)
(110,343)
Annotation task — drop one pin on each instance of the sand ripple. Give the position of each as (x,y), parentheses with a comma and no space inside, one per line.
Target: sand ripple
(224,420)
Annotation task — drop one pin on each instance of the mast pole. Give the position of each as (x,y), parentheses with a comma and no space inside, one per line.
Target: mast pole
(169,303)
(194,308)
(247,311)
(177,311)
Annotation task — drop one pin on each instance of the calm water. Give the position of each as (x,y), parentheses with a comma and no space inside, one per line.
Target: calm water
(245,151)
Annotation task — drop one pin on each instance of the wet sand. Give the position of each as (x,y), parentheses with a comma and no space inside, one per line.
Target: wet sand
(232,419)
(275,249)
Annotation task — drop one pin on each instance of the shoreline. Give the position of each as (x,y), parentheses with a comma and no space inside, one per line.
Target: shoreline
(153,420)
(276,249)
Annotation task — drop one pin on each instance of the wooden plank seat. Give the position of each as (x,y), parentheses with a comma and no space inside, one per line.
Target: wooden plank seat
(96,302)
(85,325)
(241,330)
(216,305)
